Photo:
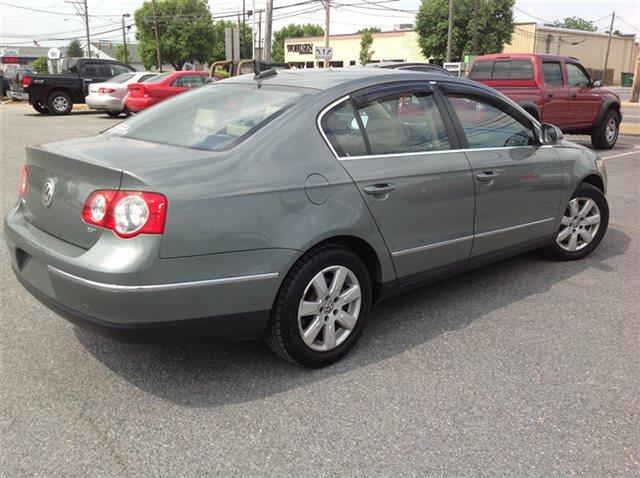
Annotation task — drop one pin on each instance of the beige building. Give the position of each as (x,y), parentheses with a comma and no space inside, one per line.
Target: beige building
(588,47)
(397,45)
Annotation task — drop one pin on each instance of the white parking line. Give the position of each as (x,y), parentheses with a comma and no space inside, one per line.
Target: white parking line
(635,151)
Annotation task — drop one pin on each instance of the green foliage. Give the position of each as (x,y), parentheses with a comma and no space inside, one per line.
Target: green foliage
(185,29)
(576,23)
(217,51)
(74,50)
(119,54)
(292,31)
(370,30)
(40,65)
(366,40)
(495,27)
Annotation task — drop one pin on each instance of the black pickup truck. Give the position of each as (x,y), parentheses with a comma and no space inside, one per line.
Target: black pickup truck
(56,94)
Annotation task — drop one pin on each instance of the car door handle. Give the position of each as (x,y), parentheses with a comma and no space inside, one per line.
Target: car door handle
(380,188)
(487,175)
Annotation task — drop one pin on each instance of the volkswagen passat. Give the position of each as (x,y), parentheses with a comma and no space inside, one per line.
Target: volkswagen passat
(285,205)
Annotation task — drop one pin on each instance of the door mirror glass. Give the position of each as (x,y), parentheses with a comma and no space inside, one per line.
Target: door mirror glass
(551,134)
(596,83)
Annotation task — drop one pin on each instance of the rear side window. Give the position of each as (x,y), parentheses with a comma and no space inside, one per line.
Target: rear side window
(502,70)
(396,124)
(487,126)
(213,119)
(552,71)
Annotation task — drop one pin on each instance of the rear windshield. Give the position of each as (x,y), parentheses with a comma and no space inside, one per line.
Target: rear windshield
(502,70)
(159,78)
(121,78)
(213,118)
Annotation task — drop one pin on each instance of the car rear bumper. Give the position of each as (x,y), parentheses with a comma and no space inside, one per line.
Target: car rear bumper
(138,104)
(18,95)
(104,102)
(206,296)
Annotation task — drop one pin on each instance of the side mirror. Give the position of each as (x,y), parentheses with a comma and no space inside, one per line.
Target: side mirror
(550,134)
(596,83)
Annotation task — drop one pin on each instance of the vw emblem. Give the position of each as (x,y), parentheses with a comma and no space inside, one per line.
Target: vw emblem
(47,193)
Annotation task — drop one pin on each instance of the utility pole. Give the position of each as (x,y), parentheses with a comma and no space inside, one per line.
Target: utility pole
(450,30)
(474,48)
(155,28)
(253,30)
(606,57)
(260,57)
(86,24)
(124,38)
(268,23)
(635,89)
(327,24)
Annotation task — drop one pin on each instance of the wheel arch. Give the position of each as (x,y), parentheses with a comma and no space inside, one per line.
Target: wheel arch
(531,108)
(595,181)
(609,104)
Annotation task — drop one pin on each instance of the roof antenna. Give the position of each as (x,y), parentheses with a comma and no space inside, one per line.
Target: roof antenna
(259,75)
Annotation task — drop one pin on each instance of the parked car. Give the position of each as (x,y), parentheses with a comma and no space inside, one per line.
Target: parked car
(142,95)
(284,205)
(6,85)
(412,66)
(56,94)
(16,92)
(109,96)
(554,89)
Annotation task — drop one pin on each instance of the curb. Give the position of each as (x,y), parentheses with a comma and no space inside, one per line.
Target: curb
(628,104)
(630,129)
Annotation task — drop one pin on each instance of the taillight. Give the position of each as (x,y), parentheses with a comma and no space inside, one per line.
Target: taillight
(106,90)
(126,213)
(26,81)
(24,180)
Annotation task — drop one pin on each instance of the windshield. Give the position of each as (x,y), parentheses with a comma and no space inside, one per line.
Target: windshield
(159,78)
(213,118)
(121,78)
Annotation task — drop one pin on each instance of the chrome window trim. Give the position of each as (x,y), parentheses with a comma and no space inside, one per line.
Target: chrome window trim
(332,105)
(467,238)
(158,287)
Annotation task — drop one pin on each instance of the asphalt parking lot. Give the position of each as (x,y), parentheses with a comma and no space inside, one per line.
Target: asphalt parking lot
(526,367)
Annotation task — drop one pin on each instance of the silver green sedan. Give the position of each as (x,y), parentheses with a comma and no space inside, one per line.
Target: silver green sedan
(284,205)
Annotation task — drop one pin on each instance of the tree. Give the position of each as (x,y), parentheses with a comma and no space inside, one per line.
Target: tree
(292,31)
(366,40)
(495,27)
(185,29)
(370,30)
(218,51)
(40,65)
(119,53)
(74,49)
(576,23)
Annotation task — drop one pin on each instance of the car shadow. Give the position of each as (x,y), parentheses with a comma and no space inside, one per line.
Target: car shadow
(210,375)
(73,113)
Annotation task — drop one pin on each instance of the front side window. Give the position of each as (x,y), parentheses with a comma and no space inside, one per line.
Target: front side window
(577,75)
(212,119)
(487,126)
(552,71)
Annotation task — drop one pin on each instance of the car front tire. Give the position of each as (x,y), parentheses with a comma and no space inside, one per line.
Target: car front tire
(605,135)
(60,103)
(113,114)
(322,307)
(583,225)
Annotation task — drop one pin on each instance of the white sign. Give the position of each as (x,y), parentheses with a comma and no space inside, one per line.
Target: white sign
(323,52)
(53,54)
(8,52)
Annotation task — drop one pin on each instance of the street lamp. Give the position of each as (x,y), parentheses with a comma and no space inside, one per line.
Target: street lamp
(124,37)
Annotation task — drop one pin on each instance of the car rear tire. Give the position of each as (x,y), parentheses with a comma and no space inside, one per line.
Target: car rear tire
(60,103)
(126,111)
(583,225)
(322,307)
(40,108)
(605,135)
(113,114)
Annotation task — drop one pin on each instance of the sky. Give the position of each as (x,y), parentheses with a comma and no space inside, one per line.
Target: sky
(59,20)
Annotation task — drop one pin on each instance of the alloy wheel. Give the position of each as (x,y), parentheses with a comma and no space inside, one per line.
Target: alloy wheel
(60,103)
(579,224)
(611,130)
(329,308)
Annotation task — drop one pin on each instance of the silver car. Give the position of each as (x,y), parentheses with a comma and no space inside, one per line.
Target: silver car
(284,205)
(109,96)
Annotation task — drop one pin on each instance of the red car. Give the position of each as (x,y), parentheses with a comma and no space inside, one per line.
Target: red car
(142,95)
(556,90)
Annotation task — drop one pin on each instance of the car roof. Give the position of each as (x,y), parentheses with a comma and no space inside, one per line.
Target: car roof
(325,79)
(543,57)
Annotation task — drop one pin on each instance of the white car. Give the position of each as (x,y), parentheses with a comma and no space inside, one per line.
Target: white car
(109,96)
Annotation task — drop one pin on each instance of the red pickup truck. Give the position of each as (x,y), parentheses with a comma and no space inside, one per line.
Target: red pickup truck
(554,89)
